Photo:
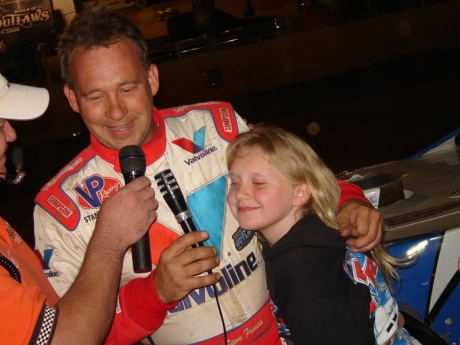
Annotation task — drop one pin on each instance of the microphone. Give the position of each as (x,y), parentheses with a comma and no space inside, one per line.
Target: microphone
(18,158)
(173,196)
(18,162)
(132,165)
(175,199)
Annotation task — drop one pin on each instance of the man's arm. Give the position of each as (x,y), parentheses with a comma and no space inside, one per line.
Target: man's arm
(86,310)
(144,302)
(358,219)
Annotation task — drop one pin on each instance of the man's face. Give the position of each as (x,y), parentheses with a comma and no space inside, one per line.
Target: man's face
(114,94)
(7,134)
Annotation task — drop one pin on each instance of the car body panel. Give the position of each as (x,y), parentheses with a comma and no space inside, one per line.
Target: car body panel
(419,199)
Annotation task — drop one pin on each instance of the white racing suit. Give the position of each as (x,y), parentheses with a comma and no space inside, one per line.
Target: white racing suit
(191,141)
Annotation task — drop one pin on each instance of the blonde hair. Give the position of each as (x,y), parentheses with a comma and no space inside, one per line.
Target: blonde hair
(299,164)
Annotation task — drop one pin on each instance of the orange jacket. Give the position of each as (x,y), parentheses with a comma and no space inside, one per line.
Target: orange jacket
(26,308)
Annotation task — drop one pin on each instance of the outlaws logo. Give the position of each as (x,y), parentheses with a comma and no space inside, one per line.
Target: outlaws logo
(95,189)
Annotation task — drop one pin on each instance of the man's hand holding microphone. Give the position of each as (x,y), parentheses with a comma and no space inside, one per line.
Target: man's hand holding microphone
(182,263)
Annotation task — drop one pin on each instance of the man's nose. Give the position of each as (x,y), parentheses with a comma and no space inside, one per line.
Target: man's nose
(117,109)
(9,131)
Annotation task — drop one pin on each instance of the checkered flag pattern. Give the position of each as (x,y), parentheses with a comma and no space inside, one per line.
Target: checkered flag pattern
(48,324)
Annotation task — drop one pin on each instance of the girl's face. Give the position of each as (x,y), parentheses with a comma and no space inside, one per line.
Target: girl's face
(260,198)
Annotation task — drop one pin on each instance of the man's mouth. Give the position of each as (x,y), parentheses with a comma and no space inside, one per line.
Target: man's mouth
(121,128)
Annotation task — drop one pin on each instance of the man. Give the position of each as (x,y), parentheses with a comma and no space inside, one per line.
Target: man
(110,82)
(30,310)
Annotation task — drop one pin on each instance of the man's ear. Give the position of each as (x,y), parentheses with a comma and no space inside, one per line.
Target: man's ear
(70,94)
(301,195)
(153,79)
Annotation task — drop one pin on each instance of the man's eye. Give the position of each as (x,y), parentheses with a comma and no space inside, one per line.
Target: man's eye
(127,90)
(94,97)
(234,184)
(259,183)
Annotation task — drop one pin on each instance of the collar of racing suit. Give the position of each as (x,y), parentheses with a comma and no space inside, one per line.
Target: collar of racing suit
(153,149)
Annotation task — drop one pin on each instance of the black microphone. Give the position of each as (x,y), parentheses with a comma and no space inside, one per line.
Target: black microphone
(175,199)
(132,165)
(18,158)
(18,162)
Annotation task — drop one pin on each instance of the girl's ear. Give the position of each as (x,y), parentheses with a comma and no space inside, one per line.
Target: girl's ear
(301,195)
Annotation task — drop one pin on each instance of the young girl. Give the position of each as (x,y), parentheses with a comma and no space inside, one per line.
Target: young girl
(325,294)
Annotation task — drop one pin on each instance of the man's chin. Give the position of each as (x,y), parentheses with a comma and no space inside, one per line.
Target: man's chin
(119,144)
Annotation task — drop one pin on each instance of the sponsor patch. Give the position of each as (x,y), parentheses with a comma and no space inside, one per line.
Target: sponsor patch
(225,116)
(59,206)
(194,146)
(242,238)
(94,190)
(231,276)
(45,260)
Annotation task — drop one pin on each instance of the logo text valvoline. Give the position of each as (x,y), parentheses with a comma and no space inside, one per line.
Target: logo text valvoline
(230,277)
(203,153)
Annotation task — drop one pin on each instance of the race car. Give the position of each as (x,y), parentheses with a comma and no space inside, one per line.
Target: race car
(419,198)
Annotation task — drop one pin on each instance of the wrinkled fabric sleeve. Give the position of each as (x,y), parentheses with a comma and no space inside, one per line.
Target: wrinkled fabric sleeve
(140,312)
(61,250)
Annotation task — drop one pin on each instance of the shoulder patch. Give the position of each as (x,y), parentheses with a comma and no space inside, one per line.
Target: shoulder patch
(52,199)
(222,112)
(242,238)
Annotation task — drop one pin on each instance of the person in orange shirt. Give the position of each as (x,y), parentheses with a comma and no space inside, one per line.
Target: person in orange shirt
(30,310)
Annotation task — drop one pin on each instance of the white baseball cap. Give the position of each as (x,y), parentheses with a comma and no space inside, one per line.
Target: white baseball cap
(21,102)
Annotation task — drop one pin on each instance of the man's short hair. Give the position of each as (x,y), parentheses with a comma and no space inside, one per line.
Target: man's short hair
(98,27)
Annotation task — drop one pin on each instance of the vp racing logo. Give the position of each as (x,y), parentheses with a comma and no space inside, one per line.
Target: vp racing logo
(94,190)
(195,147)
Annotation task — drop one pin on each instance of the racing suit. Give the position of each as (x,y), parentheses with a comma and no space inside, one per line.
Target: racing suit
(191,142)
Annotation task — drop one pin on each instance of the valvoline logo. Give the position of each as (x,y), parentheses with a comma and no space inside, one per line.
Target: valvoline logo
(95,189)
(45,262)
(194,146)
(231,276)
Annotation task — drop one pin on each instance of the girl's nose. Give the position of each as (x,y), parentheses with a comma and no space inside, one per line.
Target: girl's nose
(242,192)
